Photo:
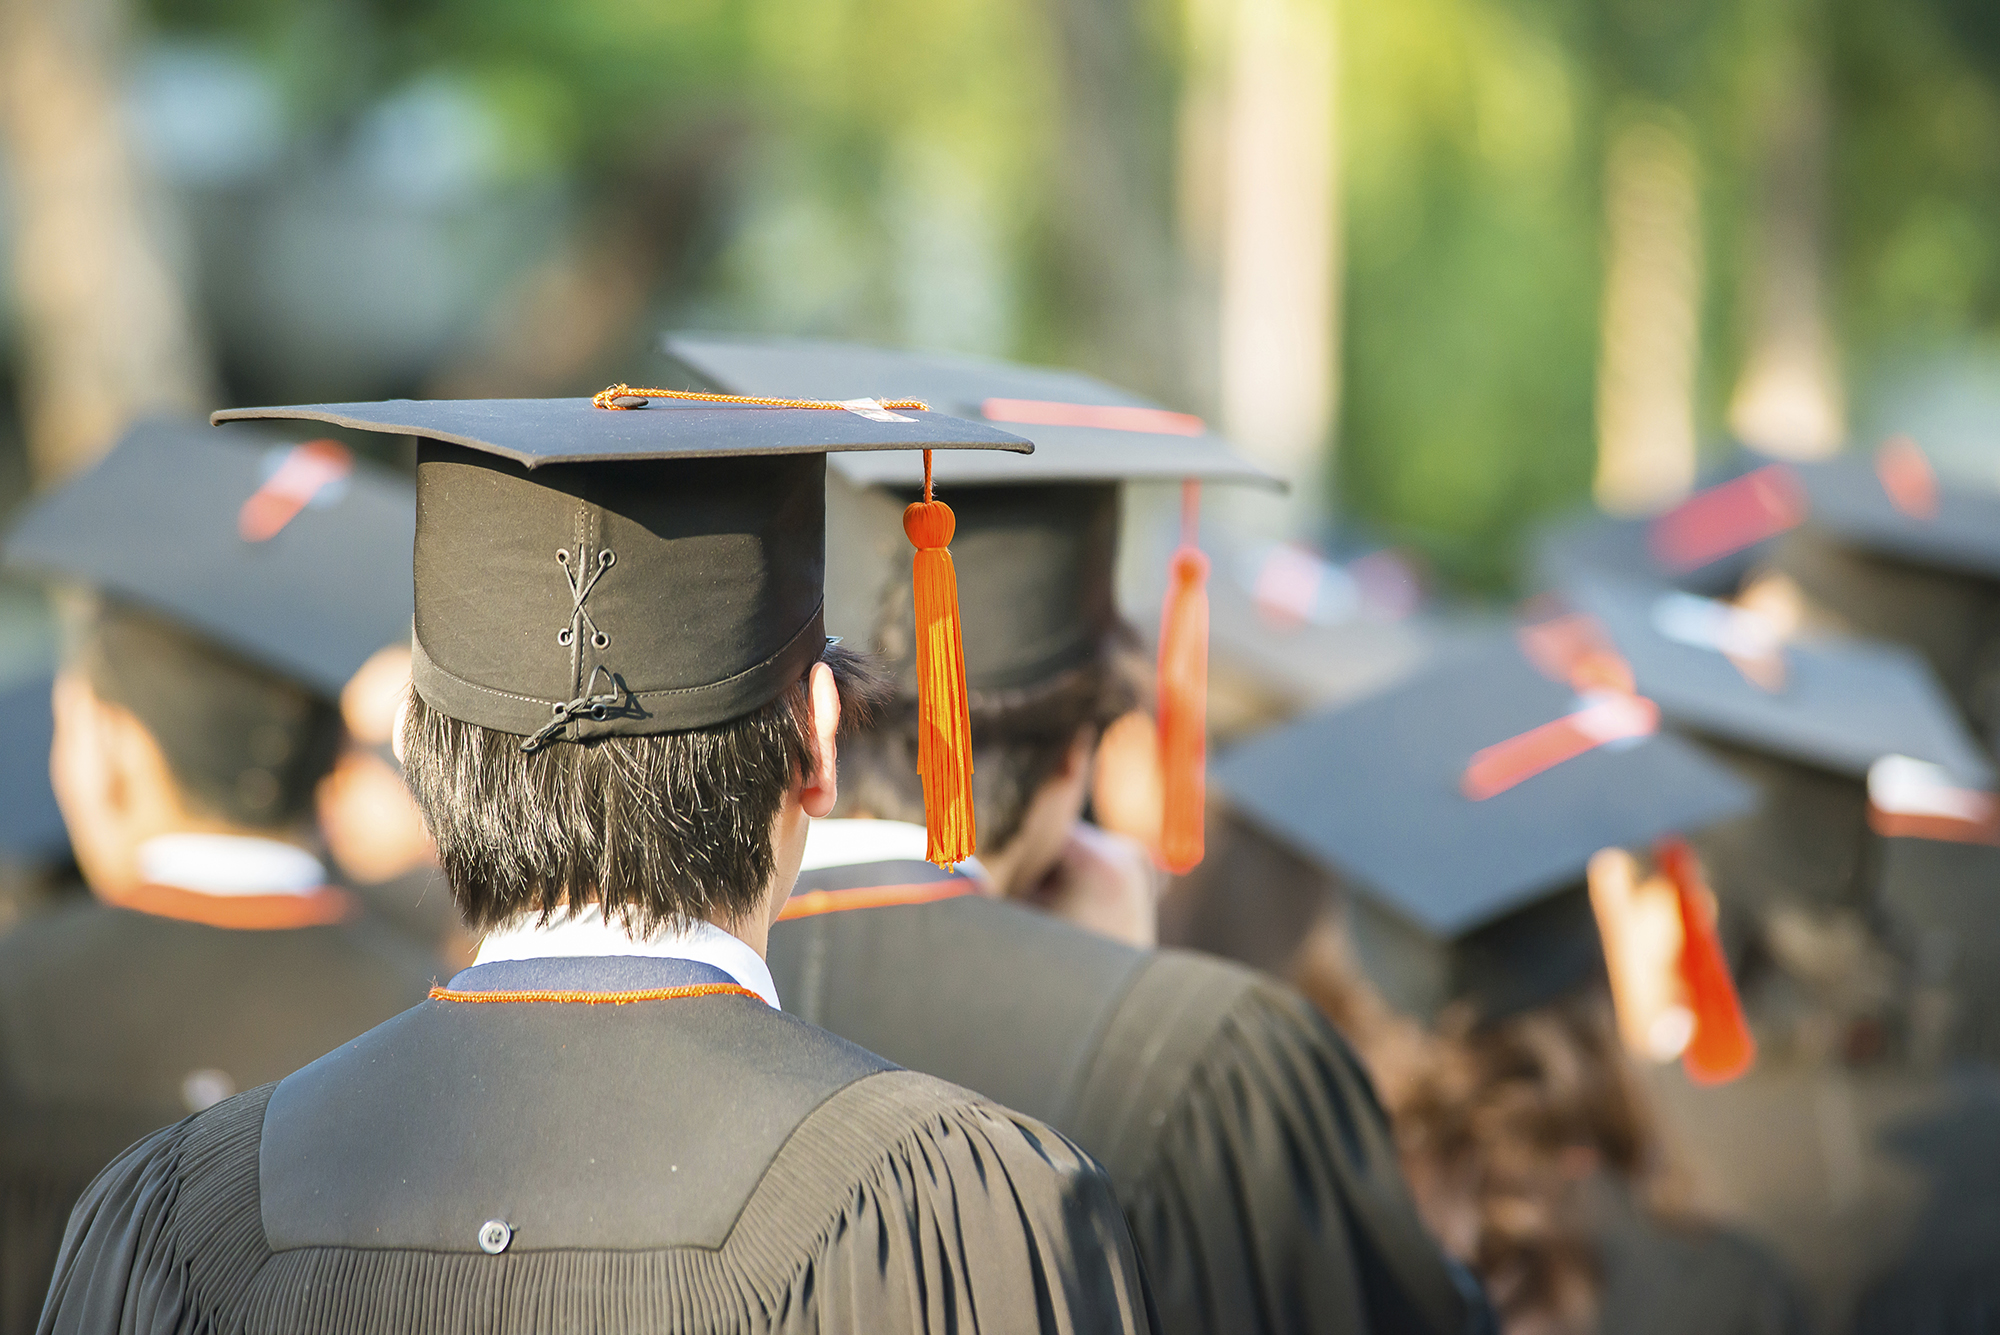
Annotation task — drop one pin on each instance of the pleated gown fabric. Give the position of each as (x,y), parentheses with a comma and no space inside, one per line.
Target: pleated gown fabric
(1245,1142)
(686,1165)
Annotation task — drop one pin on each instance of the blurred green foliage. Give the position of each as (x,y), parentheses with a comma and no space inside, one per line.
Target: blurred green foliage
(1473,135)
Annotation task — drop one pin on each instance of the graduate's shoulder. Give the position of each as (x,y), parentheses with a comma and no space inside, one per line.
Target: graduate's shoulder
(1194,1036)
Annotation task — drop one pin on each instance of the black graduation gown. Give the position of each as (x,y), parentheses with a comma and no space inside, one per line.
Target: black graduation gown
(1245,1143)
(114,1023)
(1665,1278)
(679,1162)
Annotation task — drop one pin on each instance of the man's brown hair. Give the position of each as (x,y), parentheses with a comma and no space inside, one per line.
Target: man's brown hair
(243,743)
(669,828)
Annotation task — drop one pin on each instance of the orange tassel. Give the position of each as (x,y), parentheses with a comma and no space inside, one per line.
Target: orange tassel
(1184,695)
(1722,1047)
(944,724)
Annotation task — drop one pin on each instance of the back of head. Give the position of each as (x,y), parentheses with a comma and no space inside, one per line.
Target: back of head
(659,828)
(245,744)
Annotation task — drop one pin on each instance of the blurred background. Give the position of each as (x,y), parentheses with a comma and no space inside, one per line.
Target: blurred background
(1452,264)
(1456,267)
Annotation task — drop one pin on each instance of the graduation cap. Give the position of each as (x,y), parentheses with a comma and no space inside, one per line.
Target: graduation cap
(1938,879)
(1705,544)
(1895,552)
(1462,807)
(1039,534)
(1805,720)
(1835,704)
(294,556)
(647,561)
(31,825)
(1892,502)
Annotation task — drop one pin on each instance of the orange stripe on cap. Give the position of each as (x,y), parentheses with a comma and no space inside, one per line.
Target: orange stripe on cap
(1612,718)
(1104,416)
(1575,649)
(813,903)
(1907,477)
(305,472)
(600,998)
(252,913)
(1912,799)
(1728,517)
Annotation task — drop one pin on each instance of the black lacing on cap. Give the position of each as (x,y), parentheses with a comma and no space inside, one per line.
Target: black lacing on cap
(600,707)
(580,585)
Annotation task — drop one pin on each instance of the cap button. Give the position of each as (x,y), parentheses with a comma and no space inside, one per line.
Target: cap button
(494,1235)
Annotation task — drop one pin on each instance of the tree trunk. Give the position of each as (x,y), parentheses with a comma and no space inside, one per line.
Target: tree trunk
(1650,331)
(106,333)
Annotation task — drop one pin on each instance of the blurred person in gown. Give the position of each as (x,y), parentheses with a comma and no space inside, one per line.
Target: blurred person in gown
(1243,1140)
(624,721)
(189,737)
(1462,933)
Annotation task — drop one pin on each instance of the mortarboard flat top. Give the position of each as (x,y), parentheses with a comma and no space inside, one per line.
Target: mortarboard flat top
(1706,543)
(159,522)
(533,432)
(1844,704)
(1891,504)
(1372,791)
(1087,431)
(623,566)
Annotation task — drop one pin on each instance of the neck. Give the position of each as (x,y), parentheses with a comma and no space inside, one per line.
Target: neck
(754,932)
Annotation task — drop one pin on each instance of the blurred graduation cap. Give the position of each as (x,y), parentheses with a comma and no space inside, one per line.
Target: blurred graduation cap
(1938,886)
(295,556)
(1705,544)
(1896,552)
(31,826)
(645,561)
(1461,808)
(1037,537)
(1084,429)
(1806,720)
(1835,704)
(1893,503)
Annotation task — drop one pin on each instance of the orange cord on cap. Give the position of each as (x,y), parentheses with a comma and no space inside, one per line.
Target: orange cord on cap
(944,722)
(1183,687)
(1722,1047)
(608,398)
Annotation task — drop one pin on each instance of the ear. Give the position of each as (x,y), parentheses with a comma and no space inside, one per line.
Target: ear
(821,786)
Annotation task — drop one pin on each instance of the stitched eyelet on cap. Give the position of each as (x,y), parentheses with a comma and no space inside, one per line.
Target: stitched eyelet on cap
(494,1235)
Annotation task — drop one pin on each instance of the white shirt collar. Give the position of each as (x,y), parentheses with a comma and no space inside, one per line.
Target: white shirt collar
(587,933)
(228,865)
(849,843)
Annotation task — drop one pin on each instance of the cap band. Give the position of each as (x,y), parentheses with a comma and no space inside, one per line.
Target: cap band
(636,713)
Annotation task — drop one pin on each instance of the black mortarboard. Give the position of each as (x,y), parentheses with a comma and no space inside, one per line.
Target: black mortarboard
(1896,553)
(1454,895)
(1891,503)
(1807,738)
(1037,538)
(31,826)
(585,571)
(292,556)
(1084,429)
(1843,704)
(1706,543)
